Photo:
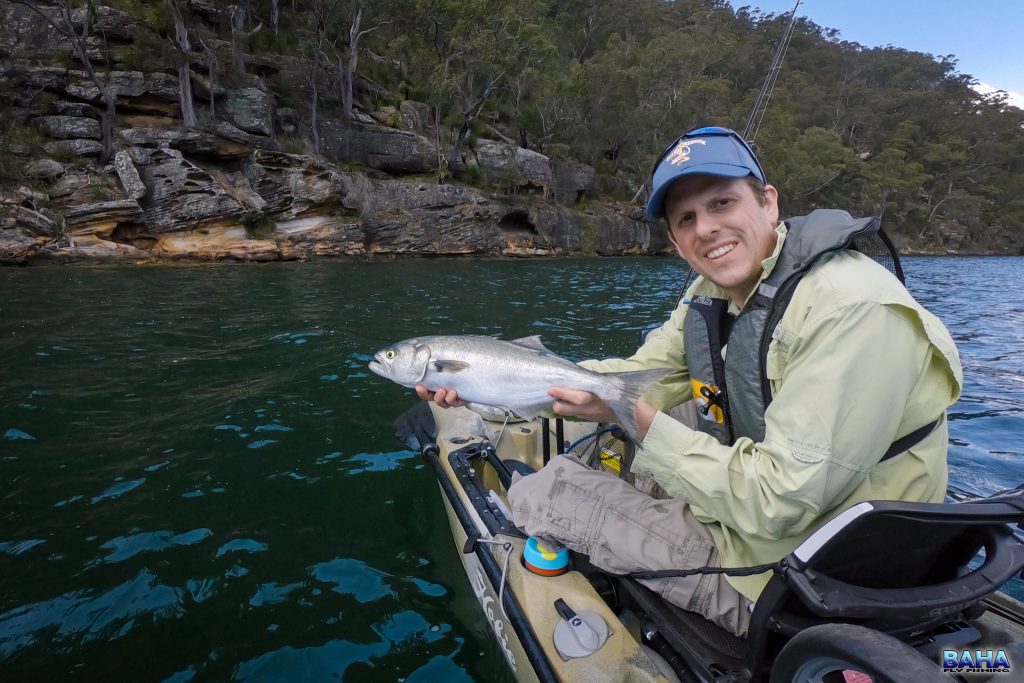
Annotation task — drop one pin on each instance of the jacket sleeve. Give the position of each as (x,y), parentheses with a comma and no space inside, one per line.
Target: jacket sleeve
(663,348)
(842,383)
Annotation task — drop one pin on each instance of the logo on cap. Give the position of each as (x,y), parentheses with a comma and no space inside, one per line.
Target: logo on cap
(681,154)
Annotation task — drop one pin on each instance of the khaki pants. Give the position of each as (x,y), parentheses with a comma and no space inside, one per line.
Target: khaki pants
(623,530)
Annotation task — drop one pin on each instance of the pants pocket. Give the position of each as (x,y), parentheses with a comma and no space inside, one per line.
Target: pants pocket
(628,542)
(571,515)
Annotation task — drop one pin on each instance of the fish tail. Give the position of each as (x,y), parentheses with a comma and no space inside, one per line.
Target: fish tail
(630,387)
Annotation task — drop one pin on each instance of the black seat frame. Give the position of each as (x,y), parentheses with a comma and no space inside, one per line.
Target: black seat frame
(909,570)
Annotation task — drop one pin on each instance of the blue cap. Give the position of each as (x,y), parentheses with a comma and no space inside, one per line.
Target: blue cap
(718,151)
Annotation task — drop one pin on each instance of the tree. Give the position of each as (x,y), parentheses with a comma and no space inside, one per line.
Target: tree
(184,58)
(62,22)
(348,58)
(478,46)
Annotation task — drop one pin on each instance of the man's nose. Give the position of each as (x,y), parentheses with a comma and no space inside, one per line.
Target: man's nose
(705,225)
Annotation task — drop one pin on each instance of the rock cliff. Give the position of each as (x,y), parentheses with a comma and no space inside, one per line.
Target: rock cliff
(242,184)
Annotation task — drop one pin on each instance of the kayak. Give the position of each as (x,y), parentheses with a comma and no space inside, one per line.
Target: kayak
(843,607)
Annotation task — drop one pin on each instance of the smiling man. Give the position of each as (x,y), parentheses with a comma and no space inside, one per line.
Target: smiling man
(819,381)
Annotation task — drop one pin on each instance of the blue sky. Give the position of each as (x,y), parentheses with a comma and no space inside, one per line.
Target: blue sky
(985,35)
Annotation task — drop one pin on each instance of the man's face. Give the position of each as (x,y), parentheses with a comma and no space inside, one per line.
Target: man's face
(722,230)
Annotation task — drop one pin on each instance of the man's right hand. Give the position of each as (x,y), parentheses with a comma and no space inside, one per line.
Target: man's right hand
(445,398)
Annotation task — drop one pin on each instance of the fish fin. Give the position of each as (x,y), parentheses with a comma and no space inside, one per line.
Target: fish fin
(450,365)
(531,342)
(631,386)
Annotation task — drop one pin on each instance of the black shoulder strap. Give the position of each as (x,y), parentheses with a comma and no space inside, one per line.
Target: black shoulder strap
(909,441)
(715,313)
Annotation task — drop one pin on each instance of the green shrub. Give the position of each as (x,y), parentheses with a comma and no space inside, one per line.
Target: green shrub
(588,237)
(473,175)
(293,145)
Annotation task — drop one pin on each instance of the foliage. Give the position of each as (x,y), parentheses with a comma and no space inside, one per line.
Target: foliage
(609,82)
(588,237)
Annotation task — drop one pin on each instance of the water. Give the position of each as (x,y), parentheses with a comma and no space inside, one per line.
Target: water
(200,478)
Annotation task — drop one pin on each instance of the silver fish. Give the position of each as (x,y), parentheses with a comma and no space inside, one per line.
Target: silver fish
(511,375)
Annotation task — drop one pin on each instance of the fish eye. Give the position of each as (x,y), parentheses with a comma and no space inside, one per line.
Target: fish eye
(389,354)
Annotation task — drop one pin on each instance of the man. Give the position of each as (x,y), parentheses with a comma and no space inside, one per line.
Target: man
(820,382)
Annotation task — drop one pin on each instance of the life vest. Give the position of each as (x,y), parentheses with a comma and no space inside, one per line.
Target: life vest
(732,394)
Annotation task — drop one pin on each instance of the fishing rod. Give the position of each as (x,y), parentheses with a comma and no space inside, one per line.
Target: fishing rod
(761,103)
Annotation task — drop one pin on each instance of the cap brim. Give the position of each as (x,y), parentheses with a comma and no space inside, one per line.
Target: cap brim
(656,204)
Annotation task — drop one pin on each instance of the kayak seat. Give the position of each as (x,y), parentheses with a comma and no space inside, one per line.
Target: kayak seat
(915,572)
(703,646)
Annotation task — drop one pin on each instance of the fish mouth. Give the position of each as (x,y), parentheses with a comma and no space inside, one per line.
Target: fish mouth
(377,368)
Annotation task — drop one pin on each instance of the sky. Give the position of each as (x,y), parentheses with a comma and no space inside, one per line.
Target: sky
(984,35)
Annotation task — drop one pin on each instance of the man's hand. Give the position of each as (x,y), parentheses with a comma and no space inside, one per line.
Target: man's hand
(581,404)
(585,405)
(445,398)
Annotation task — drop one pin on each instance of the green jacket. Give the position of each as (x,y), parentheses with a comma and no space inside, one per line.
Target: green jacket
(856,363)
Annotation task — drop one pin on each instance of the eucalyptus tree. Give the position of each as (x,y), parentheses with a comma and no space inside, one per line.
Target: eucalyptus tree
(61,18)
(183,49)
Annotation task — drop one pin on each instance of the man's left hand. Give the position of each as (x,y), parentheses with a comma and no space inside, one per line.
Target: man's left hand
(581,404)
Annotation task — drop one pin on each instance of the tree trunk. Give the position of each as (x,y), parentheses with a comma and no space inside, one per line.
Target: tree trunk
(455,159)
(184,48)
(314,103)
(79,44)
(107,124)
(236,32)
(351,59)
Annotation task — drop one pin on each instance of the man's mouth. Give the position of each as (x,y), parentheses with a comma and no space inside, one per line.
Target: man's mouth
(720,251)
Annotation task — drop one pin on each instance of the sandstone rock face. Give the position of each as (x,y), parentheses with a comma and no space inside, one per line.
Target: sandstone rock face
(415,116)
(216,242)
(181,195)
(319,236)
(69,184)
(123,83)
(75,109)
(512,167)
(132,183)
(293,185)
(571,181)
(100,251)
(400,195)
(192,142)
(421,218)
(386,149)
(23,229)
(457,230)
(99,219)
(16,247)
(68,127)
(44,168)
(617,235)
(109,22)
(209,145)
(605,184)
(80,148)
(558,228)
(26,221)
(251,110)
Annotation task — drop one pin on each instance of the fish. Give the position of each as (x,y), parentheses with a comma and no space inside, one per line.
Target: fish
(509,375)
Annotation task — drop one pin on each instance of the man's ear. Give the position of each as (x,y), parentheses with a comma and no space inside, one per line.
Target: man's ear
(771,199)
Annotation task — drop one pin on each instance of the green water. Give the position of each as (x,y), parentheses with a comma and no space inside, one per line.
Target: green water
(200,477)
